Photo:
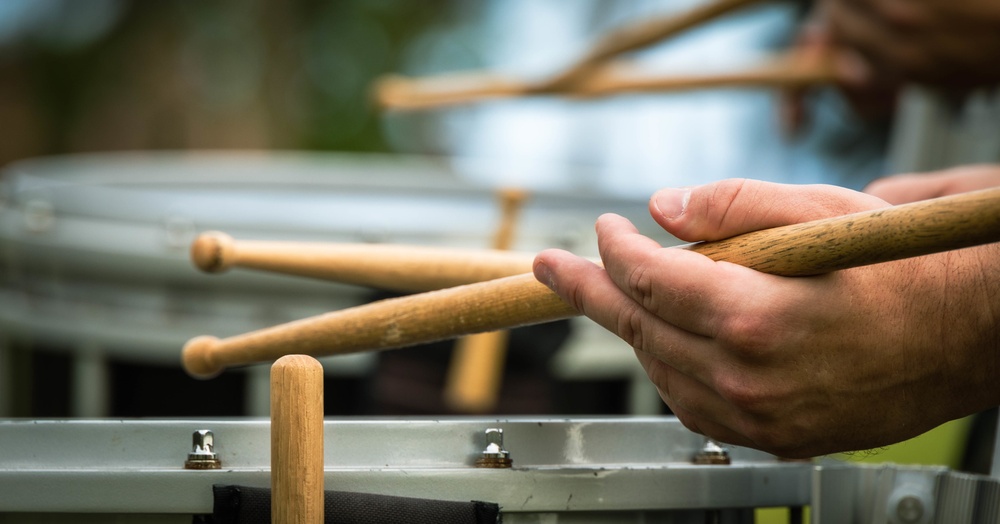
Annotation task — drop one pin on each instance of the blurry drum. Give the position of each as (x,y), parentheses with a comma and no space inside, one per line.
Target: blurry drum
(564,471)
(94,259)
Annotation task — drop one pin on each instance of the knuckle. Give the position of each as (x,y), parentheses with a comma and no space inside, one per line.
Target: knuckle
(574,295)
(749,336)
(742,393)
(640,281)
(630,327)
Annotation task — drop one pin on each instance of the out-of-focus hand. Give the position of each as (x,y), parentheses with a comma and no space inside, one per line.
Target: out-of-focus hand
(948,43)
(794,366)
(900,189)
(872,100)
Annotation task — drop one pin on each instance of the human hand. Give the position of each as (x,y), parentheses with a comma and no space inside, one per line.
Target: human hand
(797,367)
(900,189)
(872,101)
(947,43)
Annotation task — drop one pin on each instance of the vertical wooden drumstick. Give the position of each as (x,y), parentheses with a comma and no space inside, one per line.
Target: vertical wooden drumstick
(297,440)
(476,370)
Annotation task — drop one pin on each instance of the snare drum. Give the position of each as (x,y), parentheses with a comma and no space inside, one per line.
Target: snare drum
(564,471)
(94,252)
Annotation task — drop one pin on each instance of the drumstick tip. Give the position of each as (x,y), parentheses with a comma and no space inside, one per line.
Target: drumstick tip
(213,252)
(197,357)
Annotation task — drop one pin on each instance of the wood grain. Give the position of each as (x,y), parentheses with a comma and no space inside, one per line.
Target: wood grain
(810,248)
(297,440)
(392,267)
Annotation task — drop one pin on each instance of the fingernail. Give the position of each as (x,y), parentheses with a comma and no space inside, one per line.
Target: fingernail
(544,275)
(671,202)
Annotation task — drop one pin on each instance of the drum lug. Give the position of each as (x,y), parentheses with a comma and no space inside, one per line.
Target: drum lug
(712,453)
(202,454)
(494,456)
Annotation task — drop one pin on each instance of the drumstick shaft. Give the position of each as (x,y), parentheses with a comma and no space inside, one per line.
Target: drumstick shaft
(297,440)
(415,93)
(392,267)
(475,372)
(796,250)
(788,72)
(640,35)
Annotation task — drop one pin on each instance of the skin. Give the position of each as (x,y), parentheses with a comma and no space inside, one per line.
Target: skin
(945,43)
(878,46)
(797,367)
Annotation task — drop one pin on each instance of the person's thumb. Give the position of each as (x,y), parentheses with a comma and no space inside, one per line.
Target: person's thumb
(732,207)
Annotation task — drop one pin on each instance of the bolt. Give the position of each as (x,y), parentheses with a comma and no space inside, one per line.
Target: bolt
(202,454)
(494,456)
(712,454)
(910,509)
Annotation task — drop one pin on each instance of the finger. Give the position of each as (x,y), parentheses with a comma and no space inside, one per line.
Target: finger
(900,189)
(683,288)
(717,432)
(590,290)
(732,207)
(882,47)
(698,406)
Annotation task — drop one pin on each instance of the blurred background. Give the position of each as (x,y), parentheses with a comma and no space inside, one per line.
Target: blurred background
(259,79)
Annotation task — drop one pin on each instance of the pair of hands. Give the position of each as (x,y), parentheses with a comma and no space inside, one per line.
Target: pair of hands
(797,367)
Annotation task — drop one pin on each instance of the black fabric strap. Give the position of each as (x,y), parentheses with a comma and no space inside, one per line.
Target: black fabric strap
(248,505)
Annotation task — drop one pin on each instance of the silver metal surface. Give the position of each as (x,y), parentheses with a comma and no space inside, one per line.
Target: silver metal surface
(563,466)
(865,493)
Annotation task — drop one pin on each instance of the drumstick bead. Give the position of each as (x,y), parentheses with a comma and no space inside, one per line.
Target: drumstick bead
(213,252)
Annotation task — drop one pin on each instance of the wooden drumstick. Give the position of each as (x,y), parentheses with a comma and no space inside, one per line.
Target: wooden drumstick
(794,70)
(397,92)
(384,266)
(297,440)
(477,364)
(809,248)
(639,35)
(790,71)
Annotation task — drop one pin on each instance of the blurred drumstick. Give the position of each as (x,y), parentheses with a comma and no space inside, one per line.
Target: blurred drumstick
(383,266)
(809,248)
(472,384)
(397,92)
(786,71)
(792,70)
